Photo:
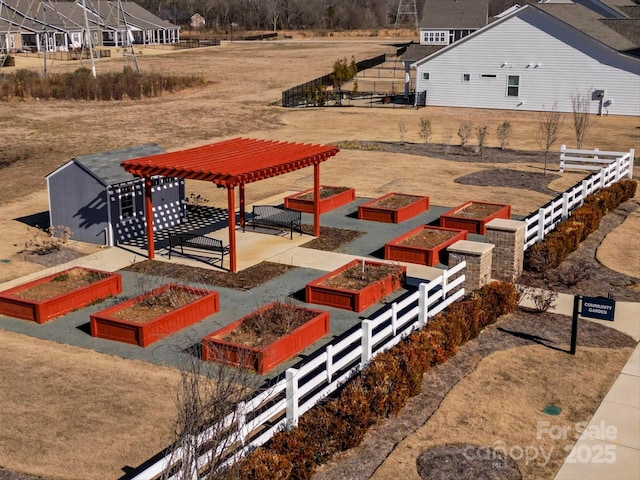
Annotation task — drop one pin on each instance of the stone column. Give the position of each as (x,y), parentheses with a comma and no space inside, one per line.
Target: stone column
(478,257)
(508,254)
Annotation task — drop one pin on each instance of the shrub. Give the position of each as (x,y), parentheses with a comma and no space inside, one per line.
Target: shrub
(425,129)
(464,132)
(482,135)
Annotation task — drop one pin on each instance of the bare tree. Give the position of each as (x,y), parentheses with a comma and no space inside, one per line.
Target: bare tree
(210,410)
(482,135)
(402,130)
(464,132)
(582,121)
(549,126)
(425,129)
(504,132)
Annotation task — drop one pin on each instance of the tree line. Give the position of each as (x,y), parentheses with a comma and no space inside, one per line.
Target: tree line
(292,14)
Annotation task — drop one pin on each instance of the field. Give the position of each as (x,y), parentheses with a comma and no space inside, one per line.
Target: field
(48,408)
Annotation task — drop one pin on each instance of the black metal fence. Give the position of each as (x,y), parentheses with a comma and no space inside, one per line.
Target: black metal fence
(314,92)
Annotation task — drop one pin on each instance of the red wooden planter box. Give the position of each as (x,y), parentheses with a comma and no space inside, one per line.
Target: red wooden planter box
(41,311)
(430,256)
(369,210)
(456,219)
(305,205)
(105,325)
(214,348)
(354,300)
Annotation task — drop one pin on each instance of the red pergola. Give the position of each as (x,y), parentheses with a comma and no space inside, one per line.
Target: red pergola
(228,164)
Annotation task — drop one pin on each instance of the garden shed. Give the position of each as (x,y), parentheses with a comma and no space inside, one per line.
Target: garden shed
(101,203)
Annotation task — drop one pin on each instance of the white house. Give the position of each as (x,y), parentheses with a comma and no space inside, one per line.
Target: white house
(534,58)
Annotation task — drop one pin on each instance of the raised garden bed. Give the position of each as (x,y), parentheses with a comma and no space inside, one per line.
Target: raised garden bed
(55,295)
(393,208)
(154,315)
(473,216)
(266,337)
(352,287)
(330,199)
(423,245)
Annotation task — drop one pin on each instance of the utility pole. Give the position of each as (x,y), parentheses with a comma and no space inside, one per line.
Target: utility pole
(407,11)
(46,41)
(88,38)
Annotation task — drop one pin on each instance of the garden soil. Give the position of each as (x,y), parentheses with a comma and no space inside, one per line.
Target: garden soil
(245,81)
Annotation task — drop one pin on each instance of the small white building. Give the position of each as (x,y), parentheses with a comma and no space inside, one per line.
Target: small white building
(534,58)
(197,21)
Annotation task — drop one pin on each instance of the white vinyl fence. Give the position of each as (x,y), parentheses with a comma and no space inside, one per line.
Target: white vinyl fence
(304,385)
(547,217)
(595,159)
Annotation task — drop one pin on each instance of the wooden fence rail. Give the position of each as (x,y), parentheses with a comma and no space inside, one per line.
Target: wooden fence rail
(547,217)
(280,406)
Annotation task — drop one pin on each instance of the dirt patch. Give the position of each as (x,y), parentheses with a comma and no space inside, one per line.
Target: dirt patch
(330,239)
(427,238)
(266,326)
(453,462)
(362,275)
(476,210)
(152,307)
(64,282)
(395,201)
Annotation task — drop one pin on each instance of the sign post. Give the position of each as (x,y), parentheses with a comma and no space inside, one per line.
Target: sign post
(599,308)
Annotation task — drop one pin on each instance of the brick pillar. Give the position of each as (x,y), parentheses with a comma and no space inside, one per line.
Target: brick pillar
(508,254)
(478,257)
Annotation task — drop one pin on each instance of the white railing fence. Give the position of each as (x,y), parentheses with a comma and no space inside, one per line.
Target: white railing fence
(304,385)
(573,159)
(546,218)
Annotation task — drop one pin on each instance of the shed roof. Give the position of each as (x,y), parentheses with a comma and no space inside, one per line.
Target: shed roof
(106,166)
(232,162)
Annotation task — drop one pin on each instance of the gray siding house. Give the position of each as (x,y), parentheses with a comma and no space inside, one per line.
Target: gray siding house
(537,57)
(103,204)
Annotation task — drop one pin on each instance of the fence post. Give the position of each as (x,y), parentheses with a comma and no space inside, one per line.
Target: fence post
(585,191)
(292,397)
(367,342)
(445,281)
(565,205)
(329,352)
(562,154)
(618,168)
(632,159)
(394,318)
(595,153)
(241,419)
(422,305)
(540,233)
(603,175)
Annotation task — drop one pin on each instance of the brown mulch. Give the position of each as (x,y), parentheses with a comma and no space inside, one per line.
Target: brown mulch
(395,201)
(477,210)
(456,153)
(428,238)
(64,282)
(155,306)
(506,177)
(243,280)
(330,239)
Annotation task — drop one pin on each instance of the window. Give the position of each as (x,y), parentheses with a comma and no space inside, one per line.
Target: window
(435,38)
(488,76)
(12,41)
(126,202)
(425,75)
(513,85)
(466,77)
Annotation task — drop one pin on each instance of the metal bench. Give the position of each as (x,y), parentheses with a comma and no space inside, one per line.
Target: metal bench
(272,216)
(199,242)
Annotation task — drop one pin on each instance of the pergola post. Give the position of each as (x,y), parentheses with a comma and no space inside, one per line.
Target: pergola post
(148,201)
(242,205)
(316,199)
(231,200)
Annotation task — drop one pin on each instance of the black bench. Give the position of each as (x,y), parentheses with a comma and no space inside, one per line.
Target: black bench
(272,216)
(199,242)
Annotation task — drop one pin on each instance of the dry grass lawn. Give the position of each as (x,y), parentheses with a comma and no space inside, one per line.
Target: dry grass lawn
(71,413)
(498,406)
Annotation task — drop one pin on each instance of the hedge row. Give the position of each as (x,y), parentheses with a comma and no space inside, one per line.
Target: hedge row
(557,245)
(381,389)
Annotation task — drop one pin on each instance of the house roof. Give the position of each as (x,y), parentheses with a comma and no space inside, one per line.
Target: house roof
(232,162)
(106,166)
(573,15)
(588,22)
(631,11)
(415,52)
(459,14)
(134,14)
